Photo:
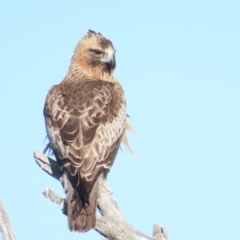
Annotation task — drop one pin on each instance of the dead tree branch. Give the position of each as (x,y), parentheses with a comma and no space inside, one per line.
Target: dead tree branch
(112,224)
(5,225)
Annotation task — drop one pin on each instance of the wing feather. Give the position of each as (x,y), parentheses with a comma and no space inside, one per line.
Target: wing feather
(85,122)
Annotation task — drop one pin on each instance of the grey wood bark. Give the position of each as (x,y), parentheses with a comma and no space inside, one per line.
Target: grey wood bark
(111,224)
(5,225)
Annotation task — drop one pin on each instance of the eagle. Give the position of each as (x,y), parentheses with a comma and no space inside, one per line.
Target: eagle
(86,120)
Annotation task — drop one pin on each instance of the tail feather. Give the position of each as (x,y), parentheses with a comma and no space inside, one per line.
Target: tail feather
(81,218)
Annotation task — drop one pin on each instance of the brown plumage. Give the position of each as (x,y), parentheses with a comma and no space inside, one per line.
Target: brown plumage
(85,118)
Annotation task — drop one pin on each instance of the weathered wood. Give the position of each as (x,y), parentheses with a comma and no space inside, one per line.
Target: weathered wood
(5,225)
(112,224)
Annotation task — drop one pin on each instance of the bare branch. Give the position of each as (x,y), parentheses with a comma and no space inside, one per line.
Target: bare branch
(112,224)
(5,225)
(160,232)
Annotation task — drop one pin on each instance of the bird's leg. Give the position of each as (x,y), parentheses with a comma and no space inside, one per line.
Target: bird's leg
(64,178)
(64,181)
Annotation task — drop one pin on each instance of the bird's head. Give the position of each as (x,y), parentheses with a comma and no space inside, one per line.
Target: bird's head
(95,53)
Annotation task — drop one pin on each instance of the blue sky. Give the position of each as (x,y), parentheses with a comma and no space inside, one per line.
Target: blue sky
(178,62)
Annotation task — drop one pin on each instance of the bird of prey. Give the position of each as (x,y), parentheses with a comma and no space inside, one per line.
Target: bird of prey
(85,117)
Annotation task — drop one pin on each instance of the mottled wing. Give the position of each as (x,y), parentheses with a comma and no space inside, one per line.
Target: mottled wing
(85,122)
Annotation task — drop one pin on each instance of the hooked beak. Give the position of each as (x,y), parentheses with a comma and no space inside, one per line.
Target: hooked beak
(110,61)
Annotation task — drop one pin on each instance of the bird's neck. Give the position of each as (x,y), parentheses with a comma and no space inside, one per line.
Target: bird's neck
(77,72)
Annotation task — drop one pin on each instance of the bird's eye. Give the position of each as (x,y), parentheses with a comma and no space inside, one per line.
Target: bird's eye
(96,52)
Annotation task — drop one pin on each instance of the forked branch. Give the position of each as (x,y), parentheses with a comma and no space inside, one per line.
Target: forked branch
(112,223)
